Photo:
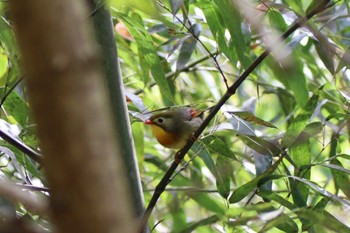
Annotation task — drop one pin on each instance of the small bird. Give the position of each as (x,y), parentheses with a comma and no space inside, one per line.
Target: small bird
(174,127)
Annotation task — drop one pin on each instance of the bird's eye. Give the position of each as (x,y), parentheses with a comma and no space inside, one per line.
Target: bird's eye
(160,120)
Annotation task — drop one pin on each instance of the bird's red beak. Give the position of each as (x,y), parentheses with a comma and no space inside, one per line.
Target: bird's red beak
(148,122)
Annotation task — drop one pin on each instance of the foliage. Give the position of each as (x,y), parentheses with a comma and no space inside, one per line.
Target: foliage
(275,158)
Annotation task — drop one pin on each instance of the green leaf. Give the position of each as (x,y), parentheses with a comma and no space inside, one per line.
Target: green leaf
(344,61)
(262,163)
(322,218)
(260,145)
(16,108)
(138,137)
(319,207)
(277,20)
(295,5)
(248,187)
(148,7)
(247,116)
(326,56)
(203,222)
(204,154)
(26,163)
(234,26)
(311,130)
(273,196)
(188,47)
(225,171)
(341,176)
(3,67)
(297,83)
(321,190)
(286,99)
(292,76)
(301,156)
(300,122)
(207,202)
(147,52)
(215,23)
(317,4)
(215,145)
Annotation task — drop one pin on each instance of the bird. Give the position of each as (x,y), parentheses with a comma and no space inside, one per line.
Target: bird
(174,127)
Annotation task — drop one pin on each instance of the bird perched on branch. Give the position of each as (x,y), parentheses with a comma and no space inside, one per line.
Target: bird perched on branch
(174,127)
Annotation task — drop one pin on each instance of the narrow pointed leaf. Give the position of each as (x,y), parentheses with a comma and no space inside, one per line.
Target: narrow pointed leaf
(147,52)
(247,116)
(260,145)
(188,47)
(300,122)
(216,145)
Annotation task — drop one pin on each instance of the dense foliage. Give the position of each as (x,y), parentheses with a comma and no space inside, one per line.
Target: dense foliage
(274,159)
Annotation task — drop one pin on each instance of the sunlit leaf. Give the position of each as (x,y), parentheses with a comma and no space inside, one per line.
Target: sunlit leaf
(344,61)
(215,22)
(234,26)
(341,176)
(300,122)
(190,227)
(216,145)
(326,56)
(277,20)
(207,202)
(148,7)
(225,171)
(204,154)
(16,107)
(248,187)
(187,48)
(321,190)
(260,145)
(147,52)
(247,116)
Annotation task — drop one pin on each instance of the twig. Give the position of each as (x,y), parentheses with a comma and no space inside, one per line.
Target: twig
(33,187)
(13,141)
(21,146)
(230,91)
(3,99)
(15,193)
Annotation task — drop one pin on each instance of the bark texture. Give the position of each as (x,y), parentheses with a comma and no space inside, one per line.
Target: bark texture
(69,102)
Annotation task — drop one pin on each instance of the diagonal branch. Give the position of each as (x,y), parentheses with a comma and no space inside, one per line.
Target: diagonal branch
(230,91)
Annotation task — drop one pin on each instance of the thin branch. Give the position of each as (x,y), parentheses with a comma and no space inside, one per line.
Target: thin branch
(3,99)
(230,91)
(15,193)
(13,141)
(21,146)
(33,188)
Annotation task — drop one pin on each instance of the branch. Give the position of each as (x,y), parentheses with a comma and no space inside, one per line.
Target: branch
(37,157)
(15,193)
(3,99)
(230,91)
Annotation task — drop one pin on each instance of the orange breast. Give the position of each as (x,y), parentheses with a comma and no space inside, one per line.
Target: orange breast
(167,139)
